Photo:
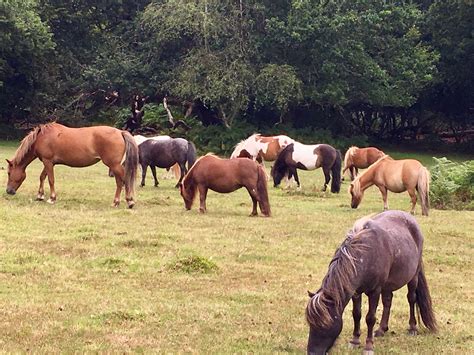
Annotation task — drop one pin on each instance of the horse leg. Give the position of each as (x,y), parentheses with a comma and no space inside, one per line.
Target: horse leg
(327,177)
(387,304)
(183,169)
(370,320)
(352,172)
(153,171)
(49,167)
(411,296)
(202,198)
(412,194)
(297,179)
(253,195)
(144,167)
(119,175)
(40,196)
(356,315)
(383,191)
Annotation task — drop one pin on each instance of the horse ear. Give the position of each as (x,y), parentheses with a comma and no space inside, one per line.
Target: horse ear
(311,294)
(9,162)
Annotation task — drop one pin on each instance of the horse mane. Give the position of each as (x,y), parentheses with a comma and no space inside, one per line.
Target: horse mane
(356,183)
(280,164)
(338,282)
(241,145)
(28,142)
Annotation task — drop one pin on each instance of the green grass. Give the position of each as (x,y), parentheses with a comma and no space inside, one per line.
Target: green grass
(83,276)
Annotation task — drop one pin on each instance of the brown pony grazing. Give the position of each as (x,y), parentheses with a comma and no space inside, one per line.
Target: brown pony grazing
(360,158)
(380,255)
(76,147)
(396,176)
(225,175)
(261,148)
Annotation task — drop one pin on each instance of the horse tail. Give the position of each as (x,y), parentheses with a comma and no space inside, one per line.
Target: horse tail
(348,161)
(262,191)
(423,301)
(336,173)
(191,155)
(131,162)
(423,188)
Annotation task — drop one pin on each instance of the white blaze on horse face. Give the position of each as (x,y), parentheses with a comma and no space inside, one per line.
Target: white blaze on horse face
(305,155)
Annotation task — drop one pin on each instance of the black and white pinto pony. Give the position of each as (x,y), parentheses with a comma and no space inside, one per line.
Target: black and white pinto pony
(308,157)
(164,153)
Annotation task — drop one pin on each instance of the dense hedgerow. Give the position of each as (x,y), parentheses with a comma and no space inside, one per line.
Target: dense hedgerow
(221,140)
(452,184)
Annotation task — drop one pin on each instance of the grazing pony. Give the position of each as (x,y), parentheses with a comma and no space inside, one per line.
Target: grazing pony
(360,158)
(164,154)
(261,148)
(53,144)
(139,139)
(379,255)
(226,175)
(309,157)
(396,176)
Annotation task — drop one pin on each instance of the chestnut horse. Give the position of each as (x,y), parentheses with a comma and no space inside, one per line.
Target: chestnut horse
(53,144)
(360,158)
(308,157)
(261,148)
(225,175)
(396,176)
(380,255)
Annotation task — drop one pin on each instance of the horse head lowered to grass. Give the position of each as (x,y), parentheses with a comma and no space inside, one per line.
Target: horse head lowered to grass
(76,147)
(226,175)
(396,176)
(379,255)
(308,157)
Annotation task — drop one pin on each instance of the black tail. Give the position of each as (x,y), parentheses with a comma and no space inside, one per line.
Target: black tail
(336,173)
(423,301)
(191,156)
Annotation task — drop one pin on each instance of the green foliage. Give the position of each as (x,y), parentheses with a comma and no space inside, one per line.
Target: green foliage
(194,264)
(452,184)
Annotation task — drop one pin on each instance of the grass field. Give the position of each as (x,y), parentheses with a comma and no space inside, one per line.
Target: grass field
(83,276)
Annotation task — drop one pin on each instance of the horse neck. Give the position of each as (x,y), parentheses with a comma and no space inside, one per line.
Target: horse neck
(26,158)
(366,179)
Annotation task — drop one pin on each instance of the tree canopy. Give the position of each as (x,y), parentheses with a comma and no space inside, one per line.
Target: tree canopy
(386,68)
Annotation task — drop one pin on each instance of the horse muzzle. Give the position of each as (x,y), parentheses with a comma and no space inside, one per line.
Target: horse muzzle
(11,191)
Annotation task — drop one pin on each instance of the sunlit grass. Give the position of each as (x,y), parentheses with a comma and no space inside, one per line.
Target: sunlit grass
(83,276)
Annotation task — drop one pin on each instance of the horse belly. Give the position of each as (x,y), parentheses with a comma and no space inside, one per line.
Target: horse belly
(305,157)
(224,188)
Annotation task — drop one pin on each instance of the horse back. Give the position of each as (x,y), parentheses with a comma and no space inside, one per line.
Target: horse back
(79,147)
(395,246)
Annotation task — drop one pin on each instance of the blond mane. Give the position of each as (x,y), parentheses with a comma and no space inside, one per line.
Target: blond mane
(241,145)
(28,142)
(356,183)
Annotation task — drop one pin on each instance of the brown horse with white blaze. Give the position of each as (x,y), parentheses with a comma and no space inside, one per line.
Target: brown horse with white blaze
(54,144)
(396,176)
(360,158)
(224,176)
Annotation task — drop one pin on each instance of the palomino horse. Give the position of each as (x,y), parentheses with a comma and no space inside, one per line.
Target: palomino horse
(164,154)
(258,147)
(360,158)
(308,157)
(76,147)
(380,256)
(226,175)
(396,176)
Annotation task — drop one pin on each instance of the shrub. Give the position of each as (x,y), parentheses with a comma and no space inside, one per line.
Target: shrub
(452,184)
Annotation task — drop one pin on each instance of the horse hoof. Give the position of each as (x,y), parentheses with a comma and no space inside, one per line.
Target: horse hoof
(353,344)
(379,333)
(412,332)
(202,211)
(131,204)
(115,204)
(253,215)
(40,198)
(50,201)
(368,352)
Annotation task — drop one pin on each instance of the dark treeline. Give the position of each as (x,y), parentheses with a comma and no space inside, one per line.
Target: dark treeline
(386,69)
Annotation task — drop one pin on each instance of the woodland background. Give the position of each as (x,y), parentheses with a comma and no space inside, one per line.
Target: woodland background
(343,72)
